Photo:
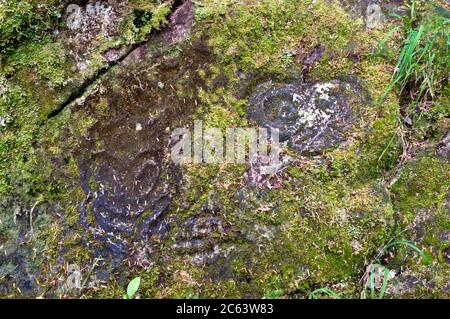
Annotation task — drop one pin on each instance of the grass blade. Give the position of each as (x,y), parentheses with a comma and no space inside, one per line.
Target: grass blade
(406,243)
(327,291)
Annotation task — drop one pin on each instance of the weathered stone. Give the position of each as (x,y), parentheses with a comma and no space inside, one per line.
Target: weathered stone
(443,147)
(203,235)
(311,117)
(374,12)
(446,254)
(378,274)
(128,181)
(181,22)
(89,25)
(403,285)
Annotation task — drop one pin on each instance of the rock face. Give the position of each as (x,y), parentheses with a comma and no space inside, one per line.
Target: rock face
(93,186)
(443,148)
(87,24)
(204,235)
(373,9)
(311,117)
(181,22)
(128,180)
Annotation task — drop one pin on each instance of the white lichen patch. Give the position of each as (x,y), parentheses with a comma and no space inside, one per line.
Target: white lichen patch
(311,116)
(323,89)
(296,98)
(91,25)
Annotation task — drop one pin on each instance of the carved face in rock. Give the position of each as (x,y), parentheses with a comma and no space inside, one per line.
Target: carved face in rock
(311,117)
(123,159)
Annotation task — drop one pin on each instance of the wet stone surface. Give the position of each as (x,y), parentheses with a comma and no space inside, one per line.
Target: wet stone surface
(125,171)
(443,148)
(204,234)
(311,117)
(189,231)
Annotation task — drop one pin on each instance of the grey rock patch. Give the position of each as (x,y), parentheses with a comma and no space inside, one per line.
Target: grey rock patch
(2,87)
(403,284)
(371,10)
(264,175)
(311,117)
(443,148)
(444,236)
(86,24)
(446,254)
(378,276)
(180,25)
(112,54)
(419,223)
(203,235)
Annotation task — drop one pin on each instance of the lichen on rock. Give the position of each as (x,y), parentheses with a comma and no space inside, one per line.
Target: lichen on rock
(87,107)
(311,117)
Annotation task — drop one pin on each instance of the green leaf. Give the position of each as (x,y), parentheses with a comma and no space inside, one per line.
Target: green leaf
(372,280)
(427,258)
(385,282)
(406,243)
(327,291)
(133,287)
(372,284)
(442,12)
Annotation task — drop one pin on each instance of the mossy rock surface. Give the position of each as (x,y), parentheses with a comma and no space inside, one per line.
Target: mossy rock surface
(87,108)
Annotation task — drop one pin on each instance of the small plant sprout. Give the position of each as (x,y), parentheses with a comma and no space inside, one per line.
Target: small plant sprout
(132,288)
(404,243)
(422,65)
(323,291)
(374,281)
(377,276)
